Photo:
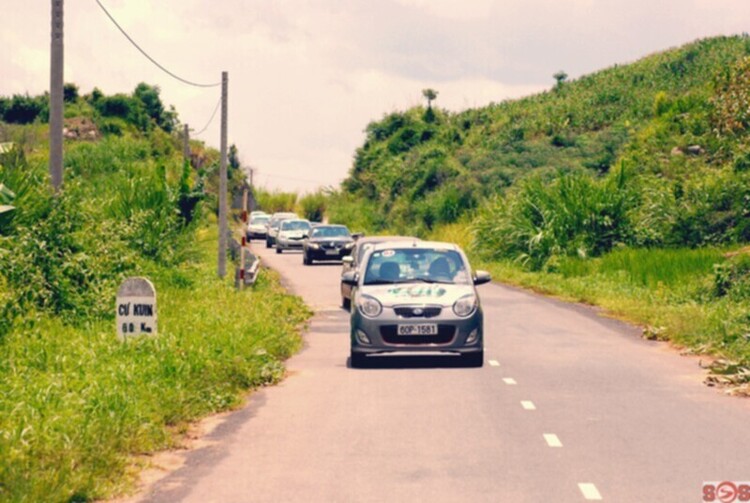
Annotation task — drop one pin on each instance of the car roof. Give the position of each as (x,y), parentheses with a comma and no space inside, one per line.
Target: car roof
(382,239)
(418,244)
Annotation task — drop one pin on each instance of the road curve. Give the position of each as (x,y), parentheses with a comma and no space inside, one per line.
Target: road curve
(569,407)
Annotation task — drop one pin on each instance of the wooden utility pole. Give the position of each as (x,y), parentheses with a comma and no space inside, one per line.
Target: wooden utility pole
(223,228)
(56,97)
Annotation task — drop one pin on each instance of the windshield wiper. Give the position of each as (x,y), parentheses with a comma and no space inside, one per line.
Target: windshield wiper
(430,280)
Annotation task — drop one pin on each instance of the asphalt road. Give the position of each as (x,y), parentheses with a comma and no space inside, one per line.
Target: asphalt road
(569,407)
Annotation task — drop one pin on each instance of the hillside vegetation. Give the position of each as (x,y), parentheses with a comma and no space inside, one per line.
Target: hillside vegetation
(78,406)
(614,181)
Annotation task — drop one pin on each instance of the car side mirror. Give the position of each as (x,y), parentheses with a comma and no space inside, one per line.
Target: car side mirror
(348,260)
(481,277)
(357,235)
(350,278)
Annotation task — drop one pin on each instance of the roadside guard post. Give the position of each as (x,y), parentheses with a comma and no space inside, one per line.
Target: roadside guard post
(136,308)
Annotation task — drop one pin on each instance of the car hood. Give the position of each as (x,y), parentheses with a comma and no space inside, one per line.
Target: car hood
(292,234)
(417,293)
(331,240)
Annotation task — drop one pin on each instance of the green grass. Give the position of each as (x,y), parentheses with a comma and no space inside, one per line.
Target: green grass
(77,405)
(668,292)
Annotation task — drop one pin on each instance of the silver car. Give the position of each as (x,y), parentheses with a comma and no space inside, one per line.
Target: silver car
(291,234)
(353,261)
(416,297)
(272,227)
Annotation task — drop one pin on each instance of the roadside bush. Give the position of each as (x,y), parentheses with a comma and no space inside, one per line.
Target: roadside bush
(65,262)
(313,206)
(275,201)
(575,214)
(732,277)
(147,208)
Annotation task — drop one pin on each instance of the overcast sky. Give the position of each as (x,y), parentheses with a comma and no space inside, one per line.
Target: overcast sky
(307,76)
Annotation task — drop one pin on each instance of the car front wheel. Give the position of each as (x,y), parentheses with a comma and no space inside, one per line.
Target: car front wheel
(357,360)
(473,359)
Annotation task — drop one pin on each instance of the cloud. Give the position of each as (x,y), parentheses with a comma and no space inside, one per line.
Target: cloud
(306,77)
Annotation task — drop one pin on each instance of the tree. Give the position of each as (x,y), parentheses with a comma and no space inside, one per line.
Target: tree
(430,95)
(149,96)
(560,78)
(70,93)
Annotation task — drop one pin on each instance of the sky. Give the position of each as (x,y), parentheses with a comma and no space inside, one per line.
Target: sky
(307,76)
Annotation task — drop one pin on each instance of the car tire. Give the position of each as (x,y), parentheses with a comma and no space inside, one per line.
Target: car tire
(278,250)
(268,243)
(357,360)
(475,360)
(306,260)
(346,303)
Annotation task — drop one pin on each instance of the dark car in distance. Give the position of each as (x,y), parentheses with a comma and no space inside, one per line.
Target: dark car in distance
(327,242)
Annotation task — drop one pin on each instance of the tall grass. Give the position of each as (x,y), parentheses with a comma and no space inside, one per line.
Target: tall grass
(76,404)
(574,214)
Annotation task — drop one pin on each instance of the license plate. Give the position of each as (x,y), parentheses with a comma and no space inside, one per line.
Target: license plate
(421,329)
(332,252)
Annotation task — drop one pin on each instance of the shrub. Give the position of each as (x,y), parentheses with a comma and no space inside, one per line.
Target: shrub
(313,206)
(575,214)
(25,109)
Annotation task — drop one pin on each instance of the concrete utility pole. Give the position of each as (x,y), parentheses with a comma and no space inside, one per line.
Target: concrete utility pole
(186,144)
(56,97)
(223,229)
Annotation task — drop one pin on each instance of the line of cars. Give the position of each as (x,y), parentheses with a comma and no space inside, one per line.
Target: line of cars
(404,295)
(287,231)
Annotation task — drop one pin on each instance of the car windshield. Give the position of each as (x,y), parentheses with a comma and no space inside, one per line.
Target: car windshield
(294,225)
(415,265)
(330,232)
(259,220)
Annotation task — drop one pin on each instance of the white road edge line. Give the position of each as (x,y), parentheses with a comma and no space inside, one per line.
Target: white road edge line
(494,363)
(552,440)
(590,492)
(509,380)
(528,405)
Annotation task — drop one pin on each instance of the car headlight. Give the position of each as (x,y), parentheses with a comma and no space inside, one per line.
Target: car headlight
(369,306)
(466,305)
(314,246)
(349,246)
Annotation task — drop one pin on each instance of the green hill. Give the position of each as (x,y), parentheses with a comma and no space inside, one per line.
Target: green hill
(675,116)
(628,188)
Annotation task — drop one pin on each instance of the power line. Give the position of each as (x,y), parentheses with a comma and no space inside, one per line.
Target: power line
(149,57)
(209,120)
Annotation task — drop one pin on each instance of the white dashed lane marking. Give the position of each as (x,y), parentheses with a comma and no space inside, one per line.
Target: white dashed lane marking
(494,363)
(590,492)
(552,440)
(528,405)
(509,380)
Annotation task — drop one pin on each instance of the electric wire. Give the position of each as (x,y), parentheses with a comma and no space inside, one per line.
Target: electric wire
(216,109)
(149,57)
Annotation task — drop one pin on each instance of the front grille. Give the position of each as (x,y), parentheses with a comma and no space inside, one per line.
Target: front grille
(445,335)
(417,311)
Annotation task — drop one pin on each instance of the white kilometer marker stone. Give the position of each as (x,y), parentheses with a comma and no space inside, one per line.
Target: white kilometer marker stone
(552,440)
(494,363)
(509,380)
(528,405)
(590,492)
